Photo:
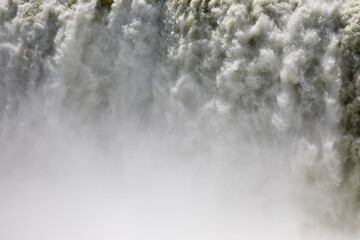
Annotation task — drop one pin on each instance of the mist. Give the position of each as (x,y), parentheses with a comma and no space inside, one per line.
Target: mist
(132,119)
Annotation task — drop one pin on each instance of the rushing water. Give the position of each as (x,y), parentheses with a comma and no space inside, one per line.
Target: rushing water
(182,119)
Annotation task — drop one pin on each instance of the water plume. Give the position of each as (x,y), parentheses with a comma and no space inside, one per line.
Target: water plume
(147,119)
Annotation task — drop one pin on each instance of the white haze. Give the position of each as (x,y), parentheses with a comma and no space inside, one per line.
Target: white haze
(147,122)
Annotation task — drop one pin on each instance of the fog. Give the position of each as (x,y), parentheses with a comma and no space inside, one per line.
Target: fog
(172,120)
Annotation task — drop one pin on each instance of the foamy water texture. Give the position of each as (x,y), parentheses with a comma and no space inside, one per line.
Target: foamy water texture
(145,119)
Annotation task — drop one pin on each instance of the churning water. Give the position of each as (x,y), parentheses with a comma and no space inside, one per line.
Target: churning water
(181,119)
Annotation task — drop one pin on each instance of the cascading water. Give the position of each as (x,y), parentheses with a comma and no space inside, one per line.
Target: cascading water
(182,119)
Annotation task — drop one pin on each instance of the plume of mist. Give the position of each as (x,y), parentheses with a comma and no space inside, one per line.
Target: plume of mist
(144,119)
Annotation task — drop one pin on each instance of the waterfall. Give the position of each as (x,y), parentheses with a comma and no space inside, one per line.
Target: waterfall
(181,119)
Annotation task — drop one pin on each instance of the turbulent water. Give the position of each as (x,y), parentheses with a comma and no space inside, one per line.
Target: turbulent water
(181,119)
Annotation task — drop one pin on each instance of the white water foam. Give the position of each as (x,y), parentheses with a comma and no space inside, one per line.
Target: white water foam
(170,120)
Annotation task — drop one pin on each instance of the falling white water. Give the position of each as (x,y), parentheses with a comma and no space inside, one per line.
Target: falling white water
(144,119)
